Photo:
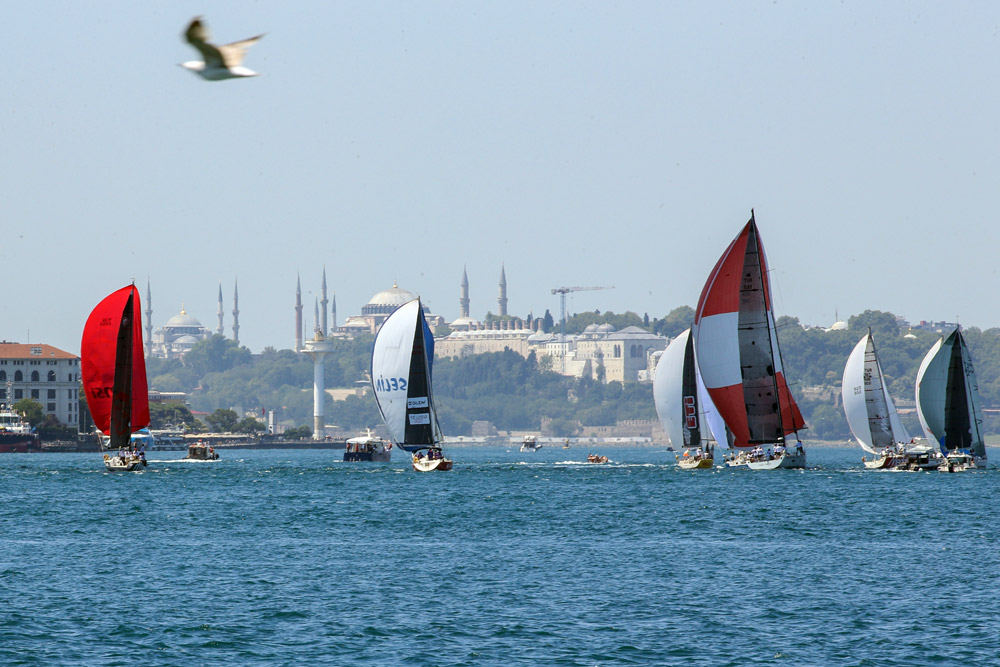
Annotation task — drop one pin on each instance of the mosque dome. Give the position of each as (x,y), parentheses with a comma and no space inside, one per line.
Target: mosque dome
(590,328)
(182,320)
(186,340)
(387,301)
(606,328)
(838,326)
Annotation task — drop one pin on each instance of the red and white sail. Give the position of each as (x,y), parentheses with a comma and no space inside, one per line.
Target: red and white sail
(736,343)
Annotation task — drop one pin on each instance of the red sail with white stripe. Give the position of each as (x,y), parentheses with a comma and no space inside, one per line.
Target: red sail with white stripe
(737,346)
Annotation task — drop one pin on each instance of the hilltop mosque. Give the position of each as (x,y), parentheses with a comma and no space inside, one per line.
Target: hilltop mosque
(183,331)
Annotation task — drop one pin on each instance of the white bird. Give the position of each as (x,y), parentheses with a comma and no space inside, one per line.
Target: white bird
(221,62)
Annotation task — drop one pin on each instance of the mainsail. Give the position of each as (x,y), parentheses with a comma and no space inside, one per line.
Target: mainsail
(870,411)
(948,397)
(737,346)
(401,378)
(113,367)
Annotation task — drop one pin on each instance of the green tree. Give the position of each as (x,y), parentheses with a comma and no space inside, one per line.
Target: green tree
(30,410)
(882,325)
(169,415)
(676,321)
(248,425)
(222,420)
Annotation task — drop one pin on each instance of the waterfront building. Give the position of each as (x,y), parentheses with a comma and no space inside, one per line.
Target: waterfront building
(44,373)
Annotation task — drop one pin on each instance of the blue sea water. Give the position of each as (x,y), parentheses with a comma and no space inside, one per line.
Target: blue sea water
(296,558)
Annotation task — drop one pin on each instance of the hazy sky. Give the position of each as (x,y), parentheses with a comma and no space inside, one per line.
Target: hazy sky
(578,143)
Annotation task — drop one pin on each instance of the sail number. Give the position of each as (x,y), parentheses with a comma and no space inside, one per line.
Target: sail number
(101,392)
(390,384)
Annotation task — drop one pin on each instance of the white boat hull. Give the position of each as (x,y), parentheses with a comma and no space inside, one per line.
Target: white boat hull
(881,462)
(116,464)
(786,460)
(429,465)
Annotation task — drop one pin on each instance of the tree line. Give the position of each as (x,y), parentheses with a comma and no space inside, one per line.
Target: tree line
(517,393)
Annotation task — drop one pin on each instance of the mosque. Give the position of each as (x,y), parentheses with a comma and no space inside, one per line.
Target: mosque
(183,331)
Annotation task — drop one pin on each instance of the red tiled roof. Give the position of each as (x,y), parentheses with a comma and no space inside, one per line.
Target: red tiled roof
(24,351)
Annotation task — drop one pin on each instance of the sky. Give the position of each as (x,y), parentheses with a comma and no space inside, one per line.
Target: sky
(574,143)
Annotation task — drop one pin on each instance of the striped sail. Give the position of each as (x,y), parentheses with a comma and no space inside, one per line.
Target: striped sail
(948,397)
(688,416)
(401,377)
(737,346)
(870,411)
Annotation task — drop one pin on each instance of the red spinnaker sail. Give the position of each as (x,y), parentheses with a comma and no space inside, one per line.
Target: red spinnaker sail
(103,349)
(737,346)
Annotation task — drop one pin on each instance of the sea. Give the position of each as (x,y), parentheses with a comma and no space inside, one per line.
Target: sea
(270,557)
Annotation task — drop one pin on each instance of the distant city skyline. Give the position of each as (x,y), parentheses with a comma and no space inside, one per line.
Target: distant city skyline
(571,144)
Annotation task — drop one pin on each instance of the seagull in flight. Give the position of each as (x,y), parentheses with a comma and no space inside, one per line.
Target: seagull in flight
(221,62)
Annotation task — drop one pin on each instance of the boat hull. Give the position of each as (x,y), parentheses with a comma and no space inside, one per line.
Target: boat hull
(116,464)
(430,465)
(375,457)
(786,460)
(694,464)
(881,463)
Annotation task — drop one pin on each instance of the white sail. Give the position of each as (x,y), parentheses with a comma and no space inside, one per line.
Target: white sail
(869,408)
(667,389)
(948,397)
(401,370)
(668,396)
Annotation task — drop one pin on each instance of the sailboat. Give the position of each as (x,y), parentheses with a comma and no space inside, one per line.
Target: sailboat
(948,403)
(870,411)
(114,375)
(683,405)
(401,380)
(736,347)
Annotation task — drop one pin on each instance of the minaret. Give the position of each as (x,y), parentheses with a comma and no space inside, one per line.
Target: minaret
(324,302)
(298,314)
(220,329)
(463,301)
(502,300)
(318,348)
(334,310)
(149,321)
(316,317)
(236,312)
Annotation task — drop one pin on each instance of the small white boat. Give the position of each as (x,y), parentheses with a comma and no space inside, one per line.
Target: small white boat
(596,458)
(530,444)
(123,463)
(427,459)
(959,461)
(368,448)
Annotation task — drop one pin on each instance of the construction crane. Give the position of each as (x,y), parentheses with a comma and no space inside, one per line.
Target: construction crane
(562,292)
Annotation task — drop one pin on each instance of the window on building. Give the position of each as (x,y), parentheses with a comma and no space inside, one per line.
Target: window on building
(3,392)
(52,376)
(34,376)
(3,376)
(34,393)
(18,376)
(52,407)
(18,393)
(52,393)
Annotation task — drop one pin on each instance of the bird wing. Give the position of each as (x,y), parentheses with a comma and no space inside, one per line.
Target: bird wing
(234,53)
(197,35)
